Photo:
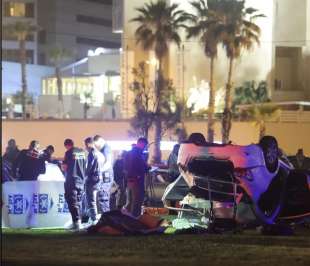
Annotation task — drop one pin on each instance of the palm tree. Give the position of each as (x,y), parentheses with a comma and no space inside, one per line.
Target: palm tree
(158,26)
(144,110)
(21,30)
(240,33)
(206,24)
(57,55)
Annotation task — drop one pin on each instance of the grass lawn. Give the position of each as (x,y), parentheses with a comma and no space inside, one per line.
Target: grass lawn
(59,247)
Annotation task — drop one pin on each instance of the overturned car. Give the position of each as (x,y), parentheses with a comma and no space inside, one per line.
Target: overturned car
(252,183)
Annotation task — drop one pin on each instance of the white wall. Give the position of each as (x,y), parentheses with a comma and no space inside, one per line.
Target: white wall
(290,22)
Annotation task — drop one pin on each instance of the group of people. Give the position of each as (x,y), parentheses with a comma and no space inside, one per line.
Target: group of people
(92,179)
(26,164)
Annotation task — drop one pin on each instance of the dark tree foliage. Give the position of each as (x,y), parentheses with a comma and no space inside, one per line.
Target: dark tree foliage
(148,108)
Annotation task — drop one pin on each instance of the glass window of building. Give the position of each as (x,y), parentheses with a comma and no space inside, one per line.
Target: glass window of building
(18,9)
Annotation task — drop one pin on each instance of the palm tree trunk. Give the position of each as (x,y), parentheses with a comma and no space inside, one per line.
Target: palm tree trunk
(23,62)
(227,115)
(158,123)
(59,91)
(85,109)
(211,103)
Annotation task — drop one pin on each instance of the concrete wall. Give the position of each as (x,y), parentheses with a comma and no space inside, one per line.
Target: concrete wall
(290,27)
(291,136)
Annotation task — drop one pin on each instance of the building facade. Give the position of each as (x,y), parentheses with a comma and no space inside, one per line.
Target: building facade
(76,25)
(96,76)
(12,12)
(281,59)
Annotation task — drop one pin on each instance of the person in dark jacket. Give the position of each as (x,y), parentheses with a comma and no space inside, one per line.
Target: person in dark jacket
(8,159)
(173,168)
(300,161)
(11,152)
(29,163)
(135,169)
(74,166)
(47,153)
(94,181)
(118,198)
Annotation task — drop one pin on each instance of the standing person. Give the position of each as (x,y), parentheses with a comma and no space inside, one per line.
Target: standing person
(11,152)
(94,180)
(8,159)
(301,161)
(173,168)
(119,196)
(74,166)
(107,172)
(29,163)
(135,168)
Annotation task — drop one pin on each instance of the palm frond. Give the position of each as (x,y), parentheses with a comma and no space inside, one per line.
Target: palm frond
(158,25)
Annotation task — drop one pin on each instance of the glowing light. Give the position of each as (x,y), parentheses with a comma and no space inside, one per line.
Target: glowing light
(96,52)
(152,62)
(199,97)
(8,100)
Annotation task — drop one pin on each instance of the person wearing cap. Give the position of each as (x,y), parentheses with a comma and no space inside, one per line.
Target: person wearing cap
(94,180)
(107,173)
(29,163)
(74,166)
(135,167)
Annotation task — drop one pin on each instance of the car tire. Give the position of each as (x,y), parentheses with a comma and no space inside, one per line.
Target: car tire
(270,150)
(269,205)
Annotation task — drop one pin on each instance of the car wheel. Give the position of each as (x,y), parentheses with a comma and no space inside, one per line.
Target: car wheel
(269,205)
(270,150)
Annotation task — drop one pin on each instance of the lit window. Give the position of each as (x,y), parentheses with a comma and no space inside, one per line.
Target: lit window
(19,9)
(44,87)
